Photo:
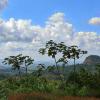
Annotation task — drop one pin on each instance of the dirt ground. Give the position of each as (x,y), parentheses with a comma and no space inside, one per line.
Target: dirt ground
(42,96)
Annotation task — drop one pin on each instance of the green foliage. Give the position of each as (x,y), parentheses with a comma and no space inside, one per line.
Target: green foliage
(13,85)
(80,82)
(69,89)
(51,50)
(82,87)
(40,69)
(14,61)
(18,61)
(50,68)
(83,91)
(27,61)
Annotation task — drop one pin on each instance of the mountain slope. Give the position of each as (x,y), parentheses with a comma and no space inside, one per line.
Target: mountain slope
(92,60)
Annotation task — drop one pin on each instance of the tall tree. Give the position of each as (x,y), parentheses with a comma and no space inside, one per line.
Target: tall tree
(28,61)
(75,53)
(62,48)
(51,50)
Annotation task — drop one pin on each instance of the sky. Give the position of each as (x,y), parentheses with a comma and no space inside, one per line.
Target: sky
(25,25)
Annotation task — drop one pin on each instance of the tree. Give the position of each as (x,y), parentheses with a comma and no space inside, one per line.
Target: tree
(64,61)
(50,68)
(74,53)
(28,61)
(62,48)
(40,69)
(18,61)
(15,62)
(51,50)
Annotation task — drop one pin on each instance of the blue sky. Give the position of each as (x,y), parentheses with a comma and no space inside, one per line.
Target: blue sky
(78,12)
(26,24)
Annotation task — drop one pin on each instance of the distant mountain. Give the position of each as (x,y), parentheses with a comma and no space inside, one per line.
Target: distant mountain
(92,60)
(89,64)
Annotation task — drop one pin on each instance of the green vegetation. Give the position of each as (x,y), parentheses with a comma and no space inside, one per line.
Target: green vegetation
(51,79)
(87,84)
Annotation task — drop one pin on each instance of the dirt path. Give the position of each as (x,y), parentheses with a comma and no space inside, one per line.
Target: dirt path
(42,96)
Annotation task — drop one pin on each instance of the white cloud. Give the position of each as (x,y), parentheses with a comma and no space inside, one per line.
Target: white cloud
(56,28)
(3,4)
(88,40)
(21,36)
(16,30)
(95,21)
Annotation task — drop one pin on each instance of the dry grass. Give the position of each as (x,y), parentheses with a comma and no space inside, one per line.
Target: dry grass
(44,96)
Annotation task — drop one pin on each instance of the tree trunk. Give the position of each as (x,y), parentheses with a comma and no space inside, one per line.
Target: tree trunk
(74,76)
(58,69)
(26,69)
(19,72)
(64,70)
(74,66)
(26,75)
(56,65)
(63,67)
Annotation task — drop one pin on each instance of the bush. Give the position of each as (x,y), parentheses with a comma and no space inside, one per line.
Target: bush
(71,89)
(83,91)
